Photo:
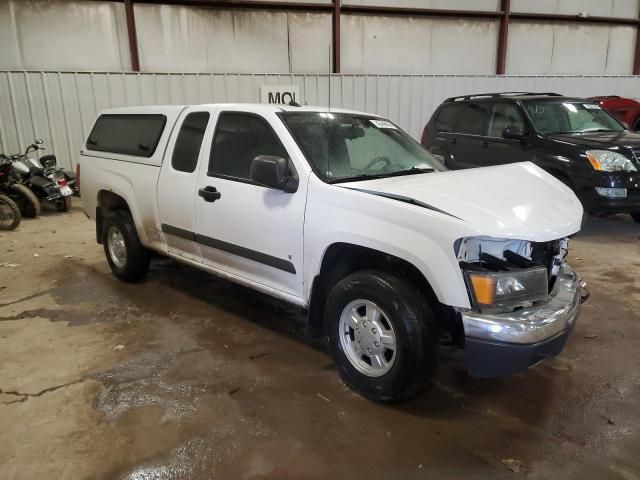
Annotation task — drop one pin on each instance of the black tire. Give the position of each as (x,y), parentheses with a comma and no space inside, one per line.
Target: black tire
(27,200)
(63,204)
(636,216)
(136,263)
(414,325)
(9,208)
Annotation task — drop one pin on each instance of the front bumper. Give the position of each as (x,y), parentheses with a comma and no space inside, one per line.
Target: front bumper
(498,344)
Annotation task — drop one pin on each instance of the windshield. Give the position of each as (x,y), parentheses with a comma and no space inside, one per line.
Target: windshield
(570,117)
(347,147)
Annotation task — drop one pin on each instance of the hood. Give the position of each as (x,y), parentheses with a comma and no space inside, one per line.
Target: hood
(519,200)
(600,140)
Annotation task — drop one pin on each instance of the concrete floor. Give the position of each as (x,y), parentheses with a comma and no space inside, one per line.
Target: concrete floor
(187,376)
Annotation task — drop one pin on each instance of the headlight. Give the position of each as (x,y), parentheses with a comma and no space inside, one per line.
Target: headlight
(608,161)
(506,289)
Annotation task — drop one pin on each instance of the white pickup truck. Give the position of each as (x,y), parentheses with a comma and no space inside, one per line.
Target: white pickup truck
(344,214)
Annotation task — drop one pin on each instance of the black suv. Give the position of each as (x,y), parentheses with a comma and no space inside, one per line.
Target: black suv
(571,138)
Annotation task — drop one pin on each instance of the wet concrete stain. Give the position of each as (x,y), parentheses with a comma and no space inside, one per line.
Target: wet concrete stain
(211,380)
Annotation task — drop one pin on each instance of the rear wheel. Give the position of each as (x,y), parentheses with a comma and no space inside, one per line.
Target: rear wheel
(128,259)
(9,214)
(383,336)
(636,216)
(27,201)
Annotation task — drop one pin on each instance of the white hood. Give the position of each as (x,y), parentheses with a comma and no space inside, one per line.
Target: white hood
(518,200)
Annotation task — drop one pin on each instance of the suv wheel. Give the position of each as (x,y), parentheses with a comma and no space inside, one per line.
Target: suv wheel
(383,336)
(128,259)
(636,216)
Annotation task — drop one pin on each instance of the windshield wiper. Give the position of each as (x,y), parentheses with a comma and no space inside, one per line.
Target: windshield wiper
(355,178)
(599,130)
(372,176)
(412,171)
(582,132)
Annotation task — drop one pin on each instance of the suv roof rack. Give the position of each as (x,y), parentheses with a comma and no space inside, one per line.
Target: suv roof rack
(500,95)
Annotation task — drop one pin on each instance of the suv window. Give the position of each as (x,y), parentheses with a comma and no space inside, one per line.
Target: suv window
(239,138)
(504,114)
(187,147)
(474,119)
(136,135)
(447,117)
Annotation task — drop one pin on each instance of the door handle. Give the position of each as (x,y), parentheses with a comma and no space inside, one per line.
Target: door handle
(485,144)
(454,140)
(209,194)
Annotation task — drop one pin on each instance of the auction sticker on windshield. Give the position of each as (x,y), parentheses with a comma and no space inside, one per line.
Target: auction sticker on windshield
(383,124)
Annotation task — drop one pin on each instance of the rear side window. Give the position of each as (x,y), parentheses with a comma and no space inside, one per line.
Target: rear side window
(136,135)
(447,117)
(187,147)
(474,119)
(239,138)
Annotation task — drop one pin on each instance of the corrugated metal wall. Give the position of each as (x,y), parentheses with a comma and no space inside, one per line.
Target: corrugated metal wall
(61,107)
(74,35)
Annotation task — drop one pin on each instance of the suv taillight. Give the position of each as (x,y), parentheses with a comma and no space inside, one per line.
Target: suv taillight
(425,134)
(62,182)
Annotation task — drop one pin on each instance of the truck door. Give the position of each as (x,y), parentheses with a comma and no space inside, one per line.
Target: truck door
(177,183)
(245,229)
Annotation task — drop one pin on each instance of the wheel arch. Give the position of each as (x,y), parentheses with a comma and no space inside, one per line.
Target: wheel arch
(341,259)
(108,201)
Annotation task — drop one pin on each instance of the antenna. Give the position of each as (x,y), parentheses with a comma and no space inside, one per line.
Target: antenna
(329,77)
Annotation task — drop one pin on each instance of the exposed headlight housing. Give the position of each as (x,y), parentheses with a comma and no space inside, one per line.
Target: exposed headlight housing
(608,161)
(507,289)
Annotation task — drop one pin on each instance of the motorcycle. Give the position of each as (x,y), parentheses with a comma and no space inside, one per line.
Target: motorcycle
(9,212)
(11,187)
(50,183)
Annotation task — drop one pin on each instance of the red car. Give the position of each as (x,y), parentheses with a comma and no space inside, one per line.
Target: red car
(626,110)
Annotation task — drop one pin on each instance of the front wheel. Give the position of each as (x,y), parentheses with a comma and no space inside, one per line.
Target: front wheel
(9,214)
(383,336)
(636,216)
(128,259)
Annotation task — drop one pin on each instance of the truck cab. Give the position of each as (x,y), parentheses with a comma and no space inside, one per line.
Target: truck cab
(344,214)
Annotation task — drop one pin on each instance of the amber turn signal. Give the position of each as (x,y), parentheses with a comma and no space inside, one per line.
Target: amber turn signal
(483,287)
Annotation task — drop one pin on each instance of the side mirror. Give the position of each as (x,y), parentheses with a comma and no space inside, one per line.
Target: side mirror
(39,141)
(273,172)
(511,132)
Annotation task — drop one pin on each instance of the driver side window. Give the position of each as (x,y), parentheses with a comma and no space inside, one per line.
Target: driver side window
(239,138)
(504,114)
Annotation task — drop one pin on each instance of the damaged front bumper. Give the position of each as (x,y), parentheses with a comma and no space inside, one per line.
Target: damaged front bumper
(498,344)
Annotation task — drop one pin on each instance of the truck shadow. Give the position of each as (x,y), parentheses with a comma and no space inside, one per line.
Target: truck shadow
(454,393)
